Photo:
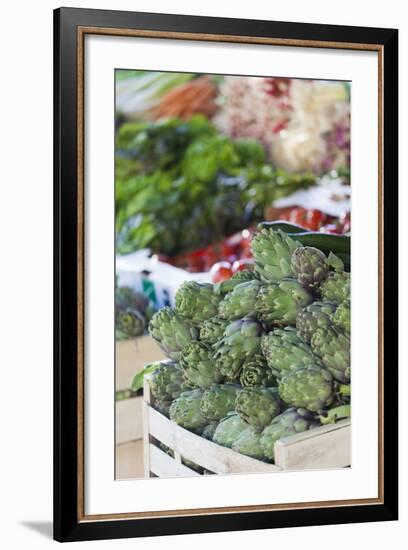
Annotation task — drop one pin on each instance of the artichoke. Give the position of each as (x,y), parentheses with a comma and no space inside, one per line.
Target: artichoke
(167,382)
(130,323)
(209,430)
(240,302)
(310,318)
(248,443)
(127,298)
(272,251)
(212,330)
(256,373)
(341,317)
(284,350)
(279,303)
(336,287)
(307,387)
(196,301)
(239,277)
(163,407)
(228,430)
(171,332)
(197,363)
(333,347)
(309,265)
(219,400)
(185,411)
(241,339)
(258,406)
(290,422)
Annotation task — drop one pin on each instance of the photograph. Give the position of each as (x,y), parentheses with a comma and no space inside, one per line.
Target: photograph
(225,271)
(232,274)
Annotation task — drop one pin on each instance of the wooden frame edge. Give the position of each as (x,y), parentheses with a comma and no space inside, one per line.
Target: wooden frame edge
(81,32)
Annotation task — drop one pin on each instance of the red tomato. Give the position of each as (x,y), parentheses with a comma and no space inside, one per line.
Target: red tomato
(242,265)
(231,246)
(285,216)
(245,244)
(315,219)
(231,259)
(298,216)
(220,271)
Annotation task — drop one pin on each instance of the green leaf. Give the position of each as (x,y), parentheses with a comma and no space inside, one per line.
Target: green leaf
(138,379)
(335,262)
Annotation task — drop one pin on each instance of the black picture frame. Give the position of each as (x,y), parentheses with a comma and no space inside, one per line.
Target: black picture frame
(68,525)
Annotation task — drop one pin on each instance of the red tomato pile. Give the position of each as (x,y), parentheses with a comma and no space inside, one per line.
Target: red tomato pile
(233,254)
(222,259)
(316,220)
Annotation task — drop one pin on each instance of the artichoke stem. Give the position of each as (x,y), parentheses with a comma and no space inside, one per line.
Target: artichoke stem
(335,414)
(345,390)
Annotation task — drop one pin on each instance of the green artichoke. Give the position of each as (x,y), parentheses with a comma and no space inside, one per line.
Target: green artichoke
(336,287)
(249,444)
(290,422)
(218,400)
(333,347)
(256,373)
(171,332)
(239,277)
(127,298)
(341,317)
(240,302)
(167,382)
(307,387)
(209,430)
(310,318)
(228,430)
(279,303)
(258,406)
(272,251)
(130,323)
(242,339)
(197,363)
(212,330)
(163,407)
(196,301)
(185,411)
(284,350)
(309,265)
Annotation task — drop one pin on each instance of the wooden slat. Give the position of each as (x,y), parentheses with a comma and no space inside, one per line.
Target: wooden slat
(147,396)
(202,452)
(164,465)
(320,448)
(129,424)
(146,439)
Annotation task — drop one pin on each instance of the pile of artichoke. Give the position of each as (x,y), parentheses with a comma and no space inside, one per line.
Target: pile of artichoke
(263,356)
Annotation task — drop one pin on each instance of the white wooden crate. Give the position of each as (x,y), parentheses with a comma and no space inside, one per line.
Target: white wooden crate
(320,448)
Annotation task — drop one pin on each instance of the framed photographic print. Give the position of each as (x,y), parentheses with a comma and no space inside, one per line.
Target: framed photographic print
(215,300)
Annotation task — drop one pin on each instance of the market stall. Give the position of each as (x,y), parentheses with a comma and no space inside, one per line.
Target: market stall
(201,162)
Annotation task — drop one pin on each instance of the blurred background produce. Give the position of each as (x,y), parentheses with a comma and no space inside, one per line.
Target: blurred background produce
(200,160)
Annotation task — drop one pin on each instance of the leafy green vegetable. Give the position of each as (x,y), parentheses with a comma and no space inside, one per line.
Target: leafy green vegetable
(181,186)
